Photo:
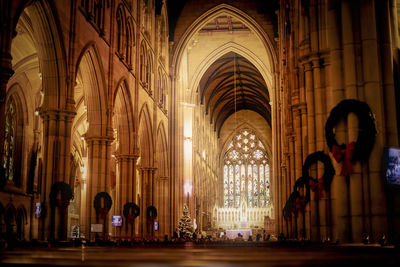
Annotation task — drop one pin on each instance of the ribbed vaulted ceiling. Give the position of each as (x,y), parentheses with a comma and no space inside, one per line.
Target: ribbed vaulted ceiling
(223,92)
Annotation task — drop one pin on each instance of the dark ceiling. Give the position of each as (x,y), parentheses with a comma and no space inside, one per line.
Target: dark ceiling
(222,98)
(175,8)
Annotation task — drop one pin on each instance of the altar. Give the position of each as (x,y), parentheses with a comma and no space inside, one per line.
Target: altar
(232,234)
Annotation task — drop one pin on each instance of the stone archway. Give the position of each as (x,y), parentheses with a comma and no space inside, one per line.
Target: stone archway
(195,55)
(90,130)
(145,168)
(123,160)
(162,184)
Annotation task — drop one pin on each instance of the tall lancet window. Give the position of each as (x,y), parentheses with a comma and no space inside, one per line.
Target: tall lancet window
(246,171)
(12,143)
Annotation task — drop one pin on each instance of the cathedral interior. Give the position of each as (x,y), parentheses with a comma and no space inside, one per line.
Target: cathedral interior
(121,118)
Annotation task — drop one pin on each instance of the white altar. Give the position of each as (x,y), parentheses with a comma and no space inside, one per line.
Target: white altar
(232,234)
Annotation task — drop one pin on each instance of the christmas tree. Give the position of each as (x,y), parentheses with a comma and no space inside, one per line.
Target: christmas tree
(185,227)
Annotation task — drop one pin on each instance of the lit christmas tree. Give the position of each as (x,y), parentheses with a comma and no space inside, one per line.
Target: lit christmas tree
(185,224)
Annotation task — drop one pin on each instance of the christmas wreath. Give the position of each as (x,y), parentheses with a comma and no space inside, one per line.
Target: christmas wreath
(323,183)
(302,200)
(290,206)
(66,194)
(361,148)
(130,217)
(151,214)
(102,211)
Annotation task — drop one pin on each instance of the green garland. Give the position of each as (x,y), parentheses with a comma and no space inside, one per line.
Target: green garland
(66,194)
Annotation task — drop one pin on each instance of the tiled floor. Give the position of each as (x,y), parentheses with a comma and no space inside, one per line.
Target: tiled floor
(270,254)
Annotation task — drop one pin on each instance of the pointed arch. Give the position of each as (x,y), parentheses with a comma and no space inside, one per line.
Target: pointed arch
(142,62)
(120,31)
(145,136)
(89,67)
(159,89)
(21,221)
(162,150)
(162,185)
(123,119)
(130,42)
(240,50)
(10,218)
(51,53)
(13,139)
(225,9)
(149,69)
(240,127)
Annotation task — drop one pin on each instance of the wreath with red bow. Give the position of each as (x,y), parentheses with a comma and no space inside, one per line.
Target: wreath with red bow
(290,206)
(323,183)
(102,211)
(151,214)
(361,148)
(130,216)
(66,194)
(298,200)
(301,199)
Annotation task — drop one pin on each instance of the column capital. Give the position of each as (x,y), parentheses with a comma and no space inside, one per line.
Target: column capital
(56,114)
(147,168)
(126,156)
(98,138)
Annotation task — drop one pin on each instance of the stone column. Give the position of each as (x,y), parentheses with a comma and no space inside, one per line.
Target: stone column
(339,192)
(126,190)
(146,198)
(289,182)
(297,124)
(99,155)
(56,167)
(374,98)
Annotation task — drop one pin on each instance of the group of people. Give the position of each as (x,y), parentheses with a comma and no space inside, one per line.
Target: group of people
(258,238)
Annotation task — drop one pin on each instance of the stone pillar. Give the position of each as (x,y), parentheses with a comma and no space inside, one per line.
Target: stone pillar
(56,167)
(126,190)
(146,198)
(339,192)
(99,155)
(374,98)
(289,184)
(298,156)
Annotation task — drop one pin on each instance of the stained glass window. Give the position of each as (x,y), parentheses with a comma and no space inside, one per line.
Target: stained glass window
(230,185)
(246,171)
(225,185)
(9,140)
(237,185)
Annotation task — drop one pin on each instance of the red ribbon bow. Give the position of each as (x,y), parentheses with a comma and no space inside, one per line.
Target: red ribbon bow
(300,203)
(287,217)
(131,219)
(317,187)
(103,212)
(63,203)
(346,155)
